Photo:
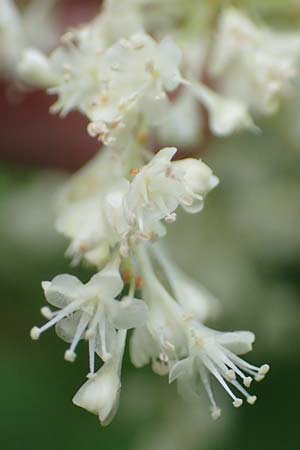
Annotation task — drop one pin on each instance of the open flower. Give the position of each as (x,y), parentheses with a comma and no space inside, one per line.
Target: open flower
(100,394)
(253,64)
(226,115)
(162,185)
(36,23)
(215,353)
(90,311)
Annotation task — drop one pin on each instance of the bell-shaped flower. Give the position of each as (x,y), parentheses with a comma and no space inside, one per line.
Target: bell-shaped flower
(215,353)
(100,394)
(90,311)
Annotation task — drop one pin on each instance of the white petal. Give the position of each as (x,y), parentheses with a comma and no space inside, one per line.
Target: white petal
(238,342)
(106,284)
(34,69)
(180,368)
(62,290)
(142,347)
(198,176)
(99,394)
(129,313)
(66,328)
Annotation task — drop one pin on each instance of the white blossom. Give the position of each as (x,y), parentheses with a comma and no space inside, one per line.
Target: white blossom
(162,185)
(90,311)
(215,353)
(80,207)
(226,115)
(100,394)
(253,64)
(35,24)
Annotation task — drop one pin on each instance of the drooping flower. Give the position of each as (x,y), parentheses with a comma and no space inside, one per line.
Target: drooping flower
(215,353)
(100,394)
(90,311)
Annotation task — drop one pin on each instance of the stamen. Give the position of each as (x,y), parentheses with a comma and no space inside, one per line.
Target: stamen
(170,218)
(251,399)
(215,413)
(215,410)
(72,307)
(70,354)
(247,381)
(92,346)
(237,402)
(230,375)
(91,331)
(105,355)
(134,172)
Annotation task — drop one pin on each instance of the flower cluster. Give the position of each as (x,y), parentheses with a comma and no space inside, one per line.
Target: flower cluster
(137,88)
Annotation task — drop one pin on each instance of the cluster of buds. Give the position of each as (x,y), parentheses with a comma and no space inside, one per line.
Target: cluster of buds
(137,86)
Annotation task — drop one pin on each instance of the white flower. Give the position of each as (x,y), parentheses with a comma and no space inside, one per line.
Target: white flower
(215,353)
(253,64)
(80,208)
(161,186)
(100,394)
(108,83)
(163,338)
(35,24)
(226,115)
(35,69)
(90,311)
(139,72)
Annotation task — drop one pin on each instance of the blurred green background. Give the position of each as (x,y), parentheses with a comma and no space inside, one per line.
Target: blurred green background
(245,247)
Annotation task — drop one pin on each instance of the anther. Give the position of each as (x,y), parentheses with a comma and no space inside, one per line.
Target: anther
(264,369)
(251,399)
(70,355)
(230,375)
(247,381)
(134,172)
(237,402)
(170,218)
(35,333)
(215,413)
